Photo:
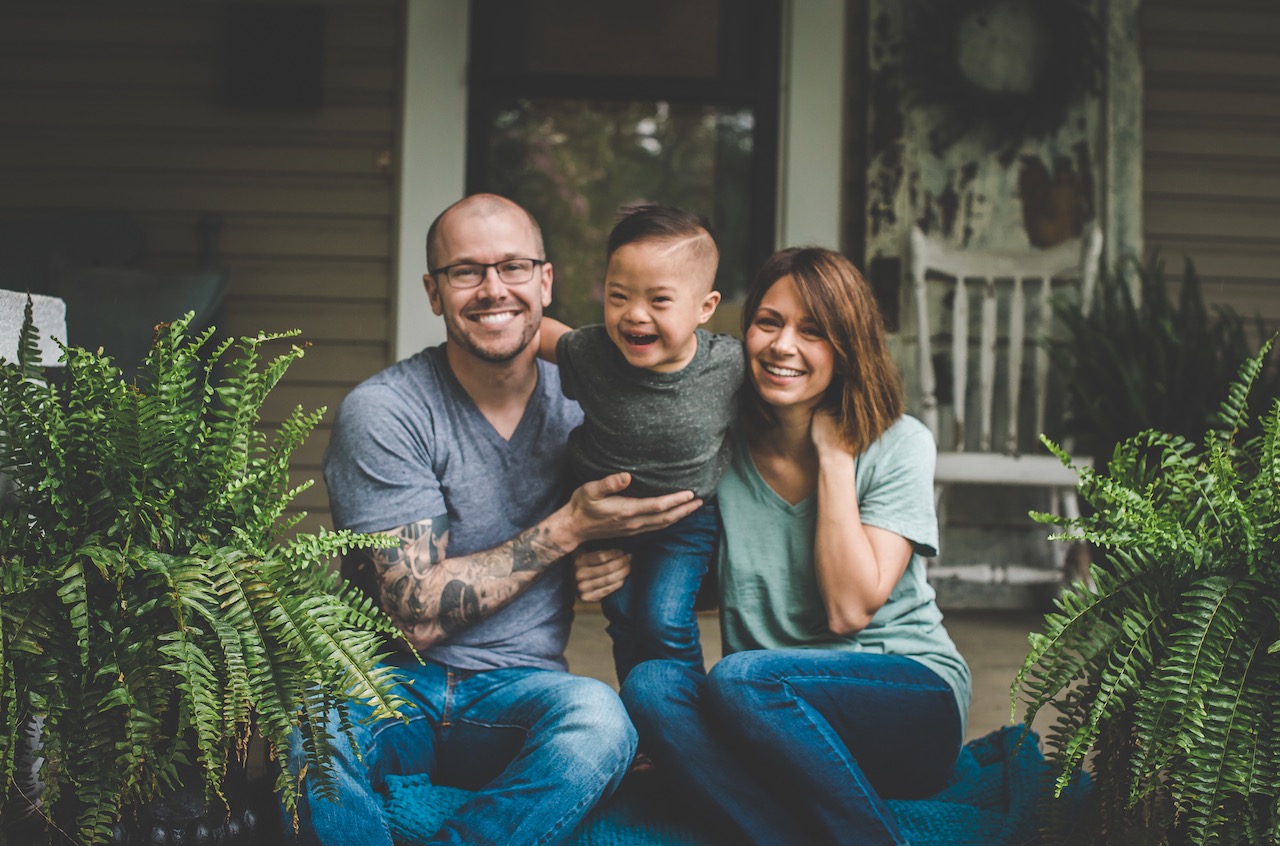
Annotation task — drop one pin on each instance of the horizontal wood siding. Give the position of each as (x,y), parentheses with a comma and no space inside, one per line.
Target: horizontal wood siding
(119,106)
(1212,145)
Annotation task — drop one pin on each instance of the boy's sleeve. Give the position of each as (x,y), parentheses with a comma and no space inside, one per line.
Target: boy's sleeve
(738,363)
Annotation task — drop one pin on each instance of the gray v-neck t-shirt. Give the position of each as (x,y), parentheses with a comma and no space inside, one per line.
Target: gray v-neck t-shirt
(409,444)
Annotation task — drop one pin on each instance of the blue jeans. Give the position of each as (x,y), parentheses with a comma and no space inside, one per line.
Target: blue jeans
(651,616)
(539,747)
(786,746)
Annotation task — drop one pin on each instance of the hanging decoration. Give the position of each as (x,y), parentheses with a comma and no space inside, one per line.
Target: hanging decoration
(1003,70)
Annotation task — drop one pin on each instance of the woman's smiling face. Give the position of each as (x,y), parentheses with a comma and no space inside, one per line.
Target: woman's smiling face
(789,357)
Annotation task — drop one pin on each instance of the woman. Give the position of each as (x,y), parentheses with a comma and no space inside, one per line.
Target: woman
(840,685)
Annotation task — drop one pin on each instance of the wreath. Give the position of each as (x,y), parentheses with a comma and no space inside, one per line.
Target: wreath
(1005,70)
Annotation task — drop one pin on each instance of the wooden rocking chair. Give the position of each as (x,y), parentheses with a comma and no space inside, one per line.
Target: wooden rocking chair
(989,454)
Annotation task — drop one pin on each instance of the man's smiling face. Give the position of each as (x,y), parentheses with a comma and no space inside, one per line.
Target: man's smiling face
(493,321)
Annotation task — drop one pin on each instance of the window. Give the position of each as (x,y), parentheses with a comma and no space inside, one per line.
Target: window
(580,106)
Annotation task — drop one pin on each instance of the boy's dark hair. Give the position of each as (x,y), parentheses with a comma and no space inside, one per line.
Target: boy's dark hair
(653,222)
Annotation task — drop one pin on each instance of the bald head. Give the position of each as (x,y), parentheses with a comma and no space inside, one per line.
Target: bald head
(481,205)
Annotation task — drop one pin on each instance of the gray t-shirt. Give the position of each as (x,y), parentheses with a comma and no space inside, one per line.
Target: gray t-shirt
(409,444)
(666,429)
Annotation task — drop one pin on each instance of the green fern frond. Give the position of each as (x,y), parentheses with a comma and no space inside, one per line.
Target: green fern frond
(29,363)
(12,718)
(1212,793)
(1210,611)
(74,593)
(1234,413)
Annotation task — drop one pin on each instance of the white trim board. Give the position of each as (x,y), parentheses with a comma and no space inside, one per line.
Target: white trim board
(433,155)
(811,122)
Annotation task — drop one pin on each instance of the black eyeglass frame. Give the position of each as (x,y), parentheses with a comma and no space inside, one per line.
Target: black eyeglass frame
(536,263)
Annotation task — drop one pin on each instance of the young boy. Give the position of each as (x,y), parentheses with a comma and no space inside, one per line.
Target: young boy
(658,395)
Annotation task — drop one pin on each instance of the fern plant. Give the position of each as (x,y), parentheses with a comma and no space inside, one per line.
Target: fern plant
(153,612)
(1166,673)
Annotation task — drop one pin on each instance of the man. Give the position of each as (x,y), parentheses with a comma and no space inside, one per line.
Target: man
(459,452)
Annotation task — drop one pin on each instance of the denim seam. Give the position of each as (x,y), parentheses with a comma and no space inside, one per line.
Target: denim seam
(478,723)
(578,810)
(387,725)
(447,707)
(796,701)
(926,688)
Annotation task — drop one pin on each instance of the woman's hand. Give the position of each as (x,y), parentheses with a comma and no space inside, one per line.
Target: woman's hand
(825,433)
(600,572)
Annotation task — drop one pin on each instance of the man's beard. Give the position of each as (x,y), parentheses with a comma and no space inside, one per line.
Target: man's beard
(490,355)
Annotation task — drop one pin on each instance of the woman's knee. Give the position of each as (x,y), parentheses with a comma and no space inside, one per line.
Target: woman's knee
(745,685)
(737,672)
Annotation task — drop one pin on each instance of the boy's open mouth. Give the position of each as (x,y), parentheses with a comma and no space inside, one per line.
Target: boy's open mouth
(640,340)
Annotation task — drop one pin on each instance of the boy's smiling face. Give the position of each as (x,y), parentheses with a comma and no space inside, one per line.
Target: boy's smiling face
(656,293)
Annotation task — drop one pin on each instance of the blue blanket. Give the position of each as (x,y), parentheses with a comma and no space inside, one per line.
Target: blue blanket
(999,793)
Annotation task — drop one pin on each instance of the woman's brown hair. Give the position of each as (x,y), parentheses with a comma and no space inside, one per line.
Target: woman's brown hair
(865,394)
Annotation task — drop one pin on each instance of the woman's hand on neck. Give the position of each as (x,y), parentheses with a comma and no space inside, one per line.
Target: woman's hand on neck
(825,434)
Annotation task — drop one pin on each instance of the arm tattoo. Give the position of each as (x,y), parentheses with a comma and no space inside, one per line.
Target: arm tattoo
(431,596)
(459,606)
(524,552)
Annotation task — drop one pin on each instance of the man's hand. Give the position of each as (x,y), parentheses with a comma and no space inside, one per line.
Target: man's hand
(600,572)
(596,511)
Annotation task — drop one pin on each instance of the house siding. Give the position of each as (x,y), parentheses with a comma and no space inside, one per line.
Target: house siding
(120,107)
(1211,164)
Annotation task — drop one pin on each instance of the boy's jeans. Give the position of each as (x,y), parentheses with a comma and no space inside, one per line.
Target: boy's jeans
(540,747)
(651,616)
(782,746)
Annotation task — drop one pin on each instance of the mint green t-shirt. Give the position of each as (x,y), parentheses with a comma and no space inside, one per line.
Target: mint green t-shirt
(769,593)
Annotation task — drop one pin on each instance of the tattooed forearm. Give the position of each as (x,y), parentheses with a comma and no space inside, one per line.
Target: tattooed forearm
(459,606)
(526,551)
(432,596)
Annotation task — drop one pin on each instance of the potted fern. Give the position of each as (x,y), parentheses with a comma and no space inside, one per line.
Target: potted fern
(1166,673)
(154,613)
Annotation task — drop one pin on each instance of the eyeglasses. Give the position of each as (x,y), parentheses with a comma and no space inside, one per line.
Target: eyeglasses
(469,274)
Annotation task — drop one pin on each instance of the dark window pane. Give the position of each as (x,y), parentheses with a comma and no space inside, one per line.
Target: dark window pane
(622,38)
(573,163)
(648,38)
